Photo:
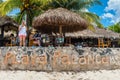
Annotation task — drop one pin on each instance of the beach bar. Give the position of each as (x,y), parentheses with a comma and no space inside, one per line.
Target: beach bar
(97,38)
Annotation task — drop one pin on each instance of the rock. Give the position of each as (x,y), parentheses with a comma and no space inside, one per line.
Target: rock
(93,49)
(32,60)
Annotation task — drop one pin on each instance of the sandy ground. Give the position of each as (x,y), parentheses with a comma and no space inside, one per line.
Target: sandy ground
(33,75)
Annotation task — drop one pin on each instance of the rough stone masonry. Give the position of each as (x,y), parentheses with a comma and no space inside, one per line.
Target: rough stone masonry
(59,58)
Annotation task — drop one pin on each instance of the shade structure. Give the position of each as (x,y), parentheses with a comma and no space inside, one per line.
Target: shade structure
(84,33)
(8,23)
(98,33)
(107,33)
(59,20)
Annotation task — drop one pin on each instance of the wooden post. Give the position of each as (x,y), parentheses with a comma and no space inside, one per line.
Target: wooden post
(100,42)
(2,35)
(11,42)
(109,43)
(60,30)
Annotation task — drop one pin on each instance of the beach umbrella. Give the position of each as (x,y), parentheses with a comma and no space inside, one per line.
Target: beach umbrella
(59,20)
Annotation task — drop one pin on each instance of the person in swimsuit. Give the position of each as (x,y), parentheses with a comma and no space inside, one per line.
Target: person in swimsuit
(22,33)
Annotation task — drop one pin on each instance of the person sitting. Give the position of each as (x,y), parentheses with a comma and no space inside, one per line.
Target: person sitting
(59,40)
(12,40)
(36,38)
(45,40)
(17,40)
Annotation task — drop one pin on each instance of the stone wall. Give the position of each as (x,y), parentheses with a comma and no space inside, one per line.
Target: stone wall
(58,58)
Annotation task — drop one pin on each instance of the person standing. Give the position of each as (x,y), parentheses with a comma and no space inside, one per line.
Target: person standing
(22,33)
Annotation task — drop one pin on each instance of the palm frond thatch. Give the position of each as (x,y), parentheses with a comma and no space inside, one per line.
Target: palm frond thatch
(99,33)
(107,33)
(51,20)
(84,33)
(8,23)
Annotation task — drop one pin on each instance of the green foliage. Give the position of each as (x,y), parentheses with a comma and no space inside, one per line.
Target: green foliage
(30,8)
(115,27)
(80,7)
(35,7)
(9,5)
(73,4)
(91,18)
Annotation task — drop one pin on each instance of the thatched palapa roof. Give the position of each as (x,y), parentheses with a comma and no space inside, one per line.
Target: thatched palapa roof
(98,33)
(50,21)
(107,33)
(85,33)
(8,23)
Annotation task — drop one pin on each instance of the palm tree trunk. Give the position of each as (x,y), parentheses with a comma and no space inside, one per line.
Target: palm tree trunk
(2,35)
(28,24)
(2,31)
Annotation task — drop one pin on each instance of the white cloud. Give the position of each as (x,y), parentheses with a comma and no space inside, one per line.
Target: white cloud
(113,5)
(112,21)
(107,15)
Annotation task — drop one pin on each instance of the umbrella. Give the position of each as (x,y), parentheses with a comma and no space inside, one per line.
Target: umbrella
(59,20)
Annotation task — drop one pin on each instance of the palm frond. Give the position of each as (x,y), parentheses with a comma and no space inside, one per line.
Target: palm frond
(9,5)
(1,1)
(91,18)
(115,27)
(88,3)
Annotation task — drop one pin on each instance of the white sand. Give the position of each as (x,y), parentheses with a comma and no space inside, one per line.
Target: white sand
(33,75)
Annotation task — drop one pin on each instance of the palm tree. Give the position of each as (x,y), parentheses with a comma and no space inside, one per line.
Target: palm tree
(80,7)
(115,27)
(26,7)
(92,19)
(29,6)
(0,3)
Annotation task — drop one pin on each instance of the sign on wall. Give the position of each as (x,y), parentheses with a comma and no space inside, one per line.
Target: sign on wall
(60,59)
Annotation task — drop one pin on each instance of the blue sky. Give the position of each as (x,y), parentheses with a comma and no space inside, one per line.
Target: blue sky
(100,10)
(109,11)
